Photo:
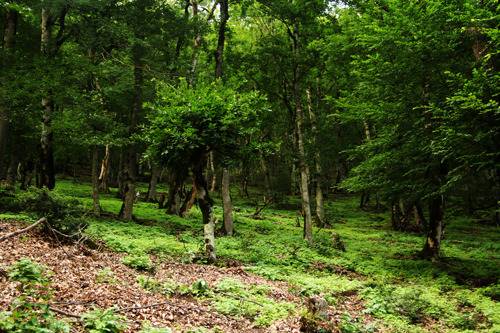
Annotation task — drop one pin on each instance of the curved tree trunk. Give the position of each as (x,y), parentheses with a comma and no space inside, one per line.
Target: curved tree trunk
(104,174)
(206,206)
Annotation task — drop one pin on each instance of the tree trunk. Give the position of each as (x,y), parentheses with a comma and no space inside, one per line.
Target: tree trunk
(320,210)
(47,172)
(95,181)
(435,233)
(131,163)
(155,175)
(188,202)
(267,177)
(10,181)
(226,199)
(104,174)
(8,44)
(206,206)
(174,188)
(213,175)
(219,52)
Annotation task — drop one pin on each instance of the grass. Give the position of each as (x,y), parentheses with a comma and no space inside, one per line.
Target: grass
(404,293)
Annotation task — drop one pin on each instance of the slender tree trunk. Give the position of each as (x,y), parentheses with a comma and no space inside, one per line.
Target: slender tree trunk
(213,174)
(219,62)
(95,181)
(8,45)
(196,46)
(47,172)
(104,174)
(219,52)
(206,206)
(435,233)
(299,129)
(320,210)
(226,199)
(131,164)
(155,175)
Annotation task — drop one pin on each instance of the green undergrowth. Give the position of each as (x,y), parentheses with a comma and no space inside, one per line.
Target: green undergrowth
(379,266)
(230,297)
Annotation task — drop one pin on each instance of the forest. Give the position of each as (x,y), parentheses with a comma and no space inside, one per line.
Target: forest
(208,166)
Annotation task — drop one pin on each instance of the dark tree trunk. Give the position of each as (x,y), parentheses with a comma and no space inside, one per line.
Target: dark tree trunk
(47,171)
(219,53)
(131,163)
(174,189)
(188,203)
(8,45)
(267,177)
(435,233)
(95,181)
(10,181)
(206,206)
(226,199)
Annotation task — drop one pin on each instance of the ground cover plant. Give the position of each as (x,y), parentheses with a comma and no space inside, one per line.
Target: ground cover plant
(378,270)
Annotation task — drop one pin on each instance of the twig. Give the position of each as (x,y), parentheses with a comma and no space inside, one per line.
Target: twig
(18,232)
(133,308)
(64,313)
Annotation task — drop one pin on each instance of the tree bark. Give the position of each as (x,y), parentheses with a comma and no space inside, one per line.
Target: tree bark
(8,45)
(213,175)
(155,175)
(47,172)
(95,181)
(131,164)
(188,202)
(320,210)
(219,53)
(174,188)
(104,174)
(267,177)
(206,206)
(226,199)
(299,124)
(435,233)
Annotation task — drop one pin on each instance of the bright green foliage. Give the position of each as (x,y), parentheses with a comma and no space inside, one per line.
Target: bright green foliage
(186,123)
(105,275)
(139,262)
(147,328)
(233,298)
(30,311)
(103,321)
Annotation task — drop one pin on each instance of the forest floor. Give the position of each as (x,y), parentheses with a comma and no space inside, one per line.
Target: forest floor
(266,272)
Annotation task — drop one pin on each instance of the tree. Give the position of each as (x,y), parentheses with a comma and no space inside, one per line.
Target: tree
(187,123)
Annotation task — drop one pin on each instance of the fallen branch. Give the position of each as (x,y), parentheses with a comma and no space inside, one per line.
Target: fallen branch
(64,313)
(133,308)
(18,232)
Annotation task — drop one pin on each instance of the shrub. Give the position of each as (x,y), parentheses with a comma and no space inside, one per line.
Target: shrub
(103,321)
(64,214)
(138,262)
(30,311)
